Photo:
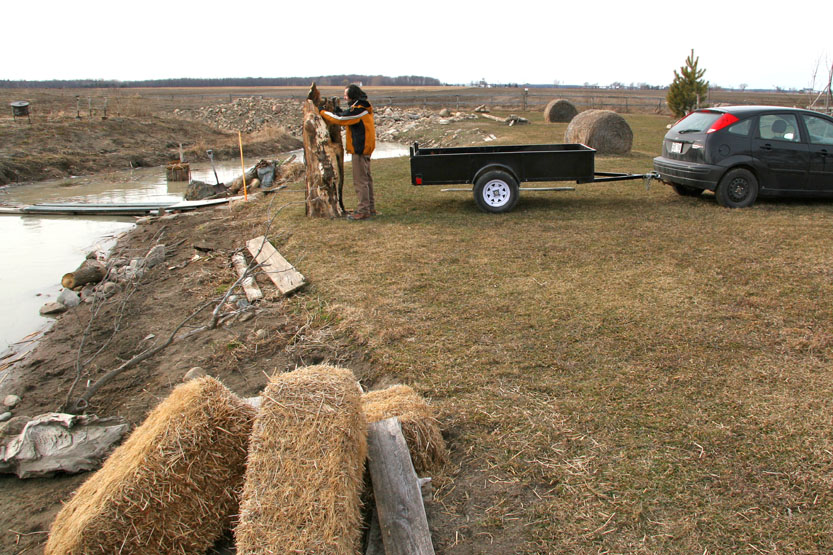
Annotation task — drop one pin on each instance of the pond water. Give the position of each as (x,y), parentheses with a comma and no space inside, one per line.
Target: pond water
(38,250)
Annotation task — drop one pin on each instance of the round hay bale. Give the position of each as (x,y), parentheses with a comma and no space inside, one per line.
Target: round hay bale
(604,130)
(559,111)
(419,425)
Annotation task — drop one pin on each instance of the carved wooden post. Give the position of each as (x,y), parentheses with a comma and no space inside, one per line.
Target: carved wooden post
(324,161)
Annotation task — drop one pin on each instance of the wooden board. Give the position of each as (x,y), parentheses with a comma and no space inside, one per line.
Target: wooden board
(253,292)
(283,274)
(402,518)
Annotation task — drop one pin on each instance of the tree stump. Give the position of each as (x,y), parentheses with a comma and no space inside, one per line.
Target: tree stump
(178,171)
(324,160)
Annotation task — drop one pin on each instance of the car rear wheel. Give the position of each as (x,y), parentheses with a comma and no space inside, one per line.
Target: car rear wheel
(496,191)
(737,189)
(686,191)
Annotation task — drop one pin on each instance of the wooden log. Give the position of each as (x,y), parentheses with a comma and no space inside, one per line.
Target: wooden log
(90,271)
(283,274)
(396,489)
(324,161)
(237,184)
(253,292)
(491,117)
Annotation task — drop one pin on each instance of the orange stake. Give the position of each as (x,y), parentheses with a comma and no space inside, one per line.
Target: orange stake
(242,166)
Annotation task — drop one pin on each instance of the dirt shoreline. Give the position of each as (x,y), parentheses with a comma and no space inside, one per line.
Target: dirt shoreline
(268,338)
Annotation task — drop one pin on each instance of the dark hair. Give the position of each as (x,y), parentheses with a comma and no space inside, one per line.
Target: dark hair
(355,93)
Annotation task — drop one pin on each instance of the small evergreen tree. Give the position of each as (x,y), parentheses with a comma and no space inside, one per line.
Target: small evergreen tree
(688,88)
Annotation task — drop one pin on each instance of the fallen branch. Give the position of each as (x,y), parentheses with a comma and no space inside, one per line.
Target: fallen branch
(83,401)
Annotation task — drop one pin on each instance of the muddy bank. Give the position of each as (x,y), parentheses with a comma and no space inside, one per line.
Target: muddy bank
(258,341)
(66,146)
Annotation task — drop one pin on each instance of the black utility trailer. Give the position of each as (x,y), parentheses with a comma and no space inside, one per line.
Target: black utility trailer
(495,172)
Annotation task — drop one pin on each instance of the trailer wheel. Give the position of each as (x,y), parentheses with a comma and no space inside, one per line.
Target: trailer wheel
(496,191)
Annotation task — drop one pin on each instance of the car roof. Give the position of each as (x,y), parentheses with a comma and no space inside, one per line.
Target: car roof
(747,110)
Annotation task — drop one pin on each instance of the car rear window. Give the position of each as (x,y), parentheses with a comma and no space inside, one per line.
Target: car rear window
(696,122)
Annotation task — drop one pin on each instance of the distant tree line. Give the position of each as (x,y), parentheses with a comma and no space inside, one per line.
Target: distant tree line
(326,80)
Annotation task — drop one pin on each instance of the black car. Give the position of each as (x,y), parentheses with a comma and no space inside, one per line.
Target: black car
(740,152)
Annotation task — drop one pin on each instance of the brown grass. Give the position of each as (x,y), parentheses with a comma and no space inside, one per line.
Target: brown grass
(305,466)
(171,487)
(617,370)
(419,425)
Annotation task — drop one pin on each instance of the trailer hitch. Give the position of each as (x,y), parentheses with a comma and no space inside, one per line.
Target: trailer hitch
(648,177)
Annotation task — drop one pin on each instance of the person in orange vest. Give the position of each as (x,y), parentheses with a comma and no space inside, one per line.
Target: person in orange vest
(361,140)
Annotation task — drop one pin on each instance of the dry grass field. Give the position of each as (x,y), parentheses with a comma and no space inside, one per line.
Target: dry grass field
(615,369)
(155,101)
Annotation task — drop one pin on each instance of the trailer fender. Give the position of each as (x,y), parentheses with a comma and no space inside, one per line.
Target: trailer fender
(493,167)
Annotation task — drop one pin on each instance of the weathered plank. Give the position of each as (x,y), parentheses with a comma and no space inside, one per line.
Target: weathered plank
(396,489)
(283,274)
(253,292)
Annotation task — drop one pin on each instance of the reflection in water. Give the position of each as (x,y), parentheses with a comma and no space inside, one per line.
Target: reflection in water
(37,250)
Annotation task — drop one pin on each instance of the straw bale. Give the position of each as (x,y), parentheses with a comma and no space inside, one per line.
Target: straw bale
(559,111)
(171,487)
(305,468)
(419,426)
(604,130)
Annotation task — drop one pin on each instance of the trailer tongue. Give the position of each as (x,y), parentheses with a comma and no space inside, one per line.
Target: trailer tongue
(496,172)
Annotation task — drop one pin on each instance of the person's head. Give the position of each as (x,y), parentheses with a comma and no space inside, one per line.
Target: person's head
(353,93)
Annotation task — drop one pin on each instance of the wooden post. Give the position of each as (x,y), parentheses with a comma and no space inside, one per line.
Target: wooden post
(324,161)
(396,488)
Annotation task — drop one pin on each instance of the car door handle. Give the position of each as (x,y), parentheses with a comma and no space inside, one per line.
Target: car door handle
(823,153)
(766,147)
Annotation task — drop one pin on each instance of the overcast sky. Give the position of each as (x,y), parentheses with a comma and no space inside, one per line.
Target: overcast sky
(521,41)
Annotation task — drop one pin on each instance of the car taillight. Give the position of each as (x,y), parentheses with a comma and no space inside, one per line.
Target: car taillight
(723,121)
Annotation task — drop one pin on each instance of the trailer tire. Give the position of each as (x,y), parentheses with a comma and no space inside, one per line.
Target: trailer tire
(496,191)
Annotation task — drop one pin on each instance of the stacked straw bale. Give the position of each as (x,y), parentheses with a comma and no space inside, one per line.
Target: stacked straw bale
(559,111)
(419,425)
(604,130)
(171,487)
(305,467)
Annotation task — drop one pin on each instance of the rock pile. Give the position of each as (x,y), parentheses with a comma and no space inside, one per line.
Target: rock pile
(393,124)
(249,114)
